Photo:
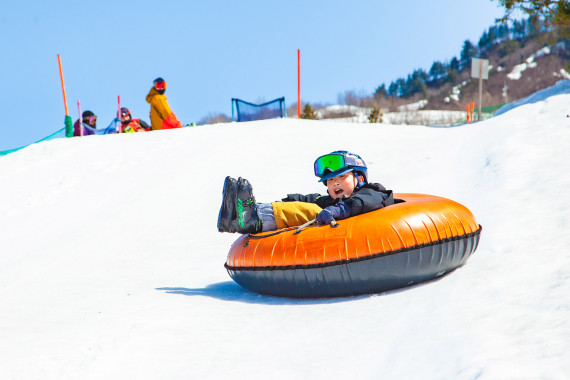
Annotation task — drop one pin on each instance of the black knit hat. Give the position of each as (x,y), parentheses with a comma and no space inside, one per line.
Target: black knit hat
(87,114)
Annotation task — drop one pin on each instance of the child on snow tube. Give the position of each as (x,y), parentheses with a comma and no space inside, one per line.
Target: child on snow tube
(344,174)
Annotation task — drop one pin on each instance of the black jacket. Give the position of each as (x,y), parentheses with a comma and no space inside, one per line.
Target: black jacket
(370,197)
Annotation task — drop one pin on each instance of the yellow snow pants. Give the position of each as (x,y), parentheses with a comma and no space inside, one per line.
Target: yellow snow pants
(292,214)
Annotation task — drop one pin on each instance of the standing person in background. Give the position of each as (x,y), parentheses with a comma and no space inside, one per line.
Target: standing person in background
(128,124)
(161,116)
(89,120)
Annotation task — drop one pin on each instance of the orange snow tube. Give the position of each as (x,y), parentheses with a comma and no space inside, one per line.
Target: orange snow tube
(419,238)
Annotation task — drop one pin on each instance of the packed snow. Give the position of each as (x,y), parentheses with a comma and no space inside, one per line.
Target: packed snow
(112,267)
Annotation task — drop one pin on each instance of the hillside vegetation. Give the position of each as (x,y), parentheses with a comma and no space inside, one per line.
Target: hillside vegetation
(524,56)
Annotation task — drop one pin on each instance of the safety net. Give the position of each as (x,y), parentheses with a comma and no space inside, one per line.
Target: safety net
(245,111)
(110,129)
(55,135)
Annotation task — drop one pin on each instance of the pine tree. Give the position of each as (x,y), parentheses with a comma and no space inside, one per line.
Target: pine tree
(484,42)
(518,29)
(416,83)
(452,71)
(467,52)
(454,65)
(503,32)
(393,89)
(492,36)
(381,92)
(437,71)
(309,113)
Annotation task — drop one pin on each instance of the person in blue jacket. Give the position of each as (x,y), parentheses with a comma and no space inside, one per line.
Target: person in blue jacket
(349,193)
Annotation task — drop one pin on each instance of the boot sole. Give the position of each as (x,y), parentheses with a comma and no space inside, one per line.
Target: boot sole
(228,209)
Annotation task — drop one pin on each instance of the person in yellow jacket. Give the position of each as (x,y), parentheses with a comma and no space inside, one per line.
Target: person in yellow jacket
(161,116)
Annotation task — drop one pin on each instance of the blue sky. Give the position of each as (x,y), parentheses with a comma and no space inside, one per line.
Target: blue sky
(211,51)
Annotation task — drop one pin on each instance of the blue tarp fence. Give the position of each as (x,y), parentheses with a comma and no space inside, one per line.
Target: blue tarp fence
(246,111)
(111,128)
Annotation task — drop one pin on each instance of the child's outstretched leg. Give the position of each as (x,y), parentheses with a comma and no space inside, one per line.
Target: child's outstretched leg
(239,212)
(293,214)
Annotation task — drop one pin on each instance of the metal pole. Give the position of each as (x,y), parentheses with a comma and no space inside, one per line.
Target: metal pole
(480,86)
(298,83)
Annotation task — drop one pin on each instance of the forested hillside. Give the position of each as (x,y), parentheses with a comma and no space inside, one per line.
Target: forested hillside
(523,56)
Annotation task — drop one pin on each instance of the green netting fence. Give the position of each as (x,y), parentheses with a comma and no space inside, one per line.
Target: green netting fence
(55,135)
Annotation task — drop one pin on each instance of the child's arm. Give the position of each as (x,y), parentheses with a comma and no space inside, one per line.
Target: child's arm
(337,212)
(369,199)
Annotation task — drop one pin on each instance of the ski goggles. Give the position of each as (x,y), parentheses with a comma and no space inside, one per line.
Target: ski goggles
(330,162)
(335,162)
(89,119)
(160,85)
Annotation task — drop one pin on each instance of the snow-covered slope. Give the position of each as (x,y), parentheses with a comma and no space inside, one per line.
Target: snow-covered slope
(111,266)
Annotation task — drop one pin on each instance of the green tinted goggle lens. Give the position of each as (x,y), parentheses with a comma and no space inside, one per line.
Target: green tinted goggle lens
(331,162)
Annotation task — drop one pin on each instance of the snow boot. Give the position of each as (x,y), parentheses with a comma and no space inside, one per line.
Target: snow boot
(238,210)
(247,221)
(228,209)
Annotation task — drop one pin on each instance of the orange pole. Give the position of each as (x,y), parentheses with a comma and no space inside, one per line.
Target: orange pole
(298,83)
(467,112)
(62,86)
(472,109)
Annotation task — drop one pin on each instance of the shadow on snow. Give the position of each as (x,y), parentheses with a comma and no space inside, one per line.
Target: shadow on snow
(231,291)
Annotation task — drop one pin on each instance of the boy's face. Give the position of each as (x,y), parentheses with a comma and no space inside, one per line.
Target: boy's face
(342,185)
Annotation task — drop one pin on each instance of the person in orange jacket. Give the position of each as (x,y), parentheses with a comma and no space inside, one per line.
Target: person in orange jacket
(161,116)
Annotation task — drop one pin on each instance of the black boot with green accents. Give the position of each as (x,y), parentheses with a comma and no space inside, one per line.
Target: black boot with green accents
(247,221)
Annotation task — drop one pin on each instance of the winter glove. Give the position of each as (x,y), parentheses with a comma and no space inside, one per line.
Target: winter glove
(68,126)
(336,212)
